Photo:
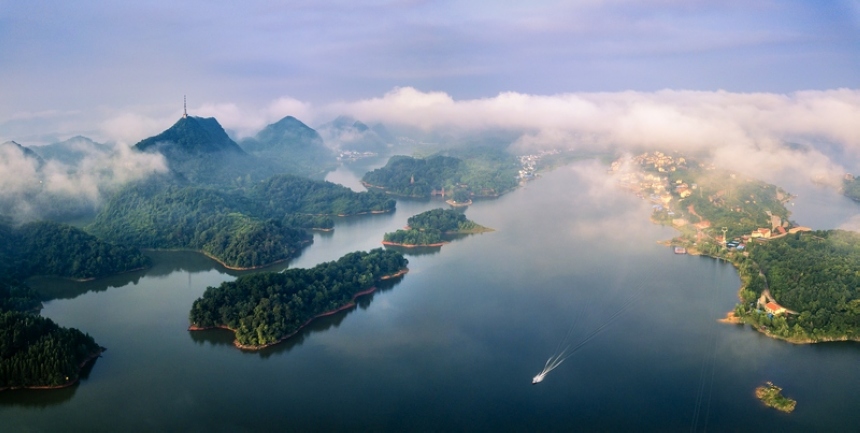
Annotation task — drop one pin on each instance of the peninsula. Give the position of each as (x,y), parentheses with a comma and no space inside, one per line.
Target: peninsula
(798,284)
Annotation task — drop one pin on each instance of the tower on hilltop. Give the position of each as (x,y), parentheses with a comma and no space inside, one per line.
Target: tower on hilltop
(184,108)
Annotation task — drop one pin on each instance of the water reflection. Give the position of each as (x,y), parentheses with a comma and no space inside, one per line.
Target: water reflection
(42,398)
(414,251)
(51,288)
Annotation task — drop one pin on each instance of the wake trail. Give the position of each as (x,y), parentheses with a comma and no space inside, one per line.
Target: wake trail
(560,355)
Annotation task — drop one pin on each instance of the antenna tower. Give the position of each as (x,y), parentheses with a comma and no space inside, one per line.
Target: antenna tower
(184,108)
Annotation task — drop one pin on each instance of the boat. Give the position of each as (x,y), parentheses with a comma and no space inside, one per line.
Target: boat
(680,250)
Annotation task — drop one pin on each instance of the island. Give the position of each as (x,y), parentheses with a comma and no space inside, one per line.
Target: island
(428,229)
(480,172)
(266,308)
(798,284)
(771,396)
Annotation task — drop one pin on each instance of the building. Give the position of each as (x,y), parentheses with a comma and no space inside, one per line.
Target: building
(774,308)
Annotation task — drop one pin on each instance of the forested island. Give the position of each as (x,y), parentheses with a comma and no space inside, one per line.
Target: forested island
(243,228)
(265,308)
(797,284)
(428,228)
(479,172)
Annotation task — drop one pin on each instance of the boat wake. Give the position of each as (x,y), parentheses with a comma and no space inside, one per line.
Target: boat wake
(566,349)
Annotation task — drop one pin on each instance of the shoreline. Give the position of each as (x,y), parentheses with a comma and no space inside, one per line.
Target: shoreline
(91,358)
(733,319)
(439,244)
(220,262)
(346,306)
(84,280)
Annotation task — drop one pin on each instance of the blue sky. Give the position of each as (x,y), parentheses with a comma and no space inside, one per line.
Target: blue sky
(68,67)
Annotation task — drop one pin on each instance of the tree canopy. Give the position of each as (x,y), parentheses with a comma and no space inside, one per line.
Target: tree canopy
(482,172)
(242,228)
(266,307)
(814,274)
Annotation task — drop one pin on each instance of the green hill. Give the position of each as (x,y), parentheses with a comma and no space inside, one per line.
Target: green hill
(293,146)
(199,151)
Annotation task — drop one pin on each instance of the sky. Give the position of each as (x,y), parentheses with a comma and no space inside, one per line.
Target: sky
(706,72)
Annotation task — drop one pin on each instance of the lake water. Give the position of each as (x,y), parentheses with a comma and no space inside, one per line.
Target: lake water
(453,345)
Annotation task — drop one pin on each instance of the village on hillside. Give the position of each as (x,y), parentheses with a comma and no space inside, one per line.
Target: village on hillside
(684,196)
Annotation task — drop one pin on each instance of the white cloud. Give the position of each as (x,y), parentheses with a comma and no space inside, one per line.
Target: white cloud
(746,130)
(32,190)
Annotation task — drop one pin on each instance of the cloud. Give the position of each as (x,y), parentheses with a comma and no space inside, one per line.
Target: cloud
(31,189)
(745,130)
(767,135)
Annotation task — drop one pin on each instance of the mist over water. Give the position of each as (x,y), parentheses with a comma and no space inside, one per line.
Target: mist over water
(454,344)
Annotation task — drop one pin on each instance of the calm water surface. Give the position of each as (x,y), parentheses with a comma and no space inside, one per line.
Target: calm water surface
(454,344)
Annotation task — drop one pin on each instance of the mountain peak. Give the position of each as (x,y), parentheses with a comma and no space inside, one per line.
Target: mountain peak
(194,135)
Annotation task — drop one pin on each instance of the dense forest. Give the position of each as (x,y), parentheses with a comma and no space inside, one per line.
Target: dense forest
(444,220)
(284,194)
(38,353)
(814,274)
(49,248)
(480,173)
(266,307)
(429,228)
(293,146)
(242,228)
(414,237)
(35,352)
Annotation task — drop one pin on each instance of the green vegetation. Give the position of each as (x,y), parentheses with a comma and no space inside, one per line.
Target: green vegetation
(264,308)
(293,146)
(241,228)
(413,237)
(48,248)
(444,220)
(18,297)
(851,187)
(428,228)
(198,150)
(814,274)
(38,353)
(283,194)
(771,395)
(725,199)
(35,352)
(148,216)
(479,172)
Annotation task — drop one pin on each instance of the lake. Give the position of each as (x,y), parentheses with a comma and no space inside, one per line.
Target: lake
(453,345)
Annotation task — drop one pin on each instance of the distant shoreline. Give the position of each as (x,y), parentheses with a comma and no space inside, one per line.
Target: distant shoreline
(438,244)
